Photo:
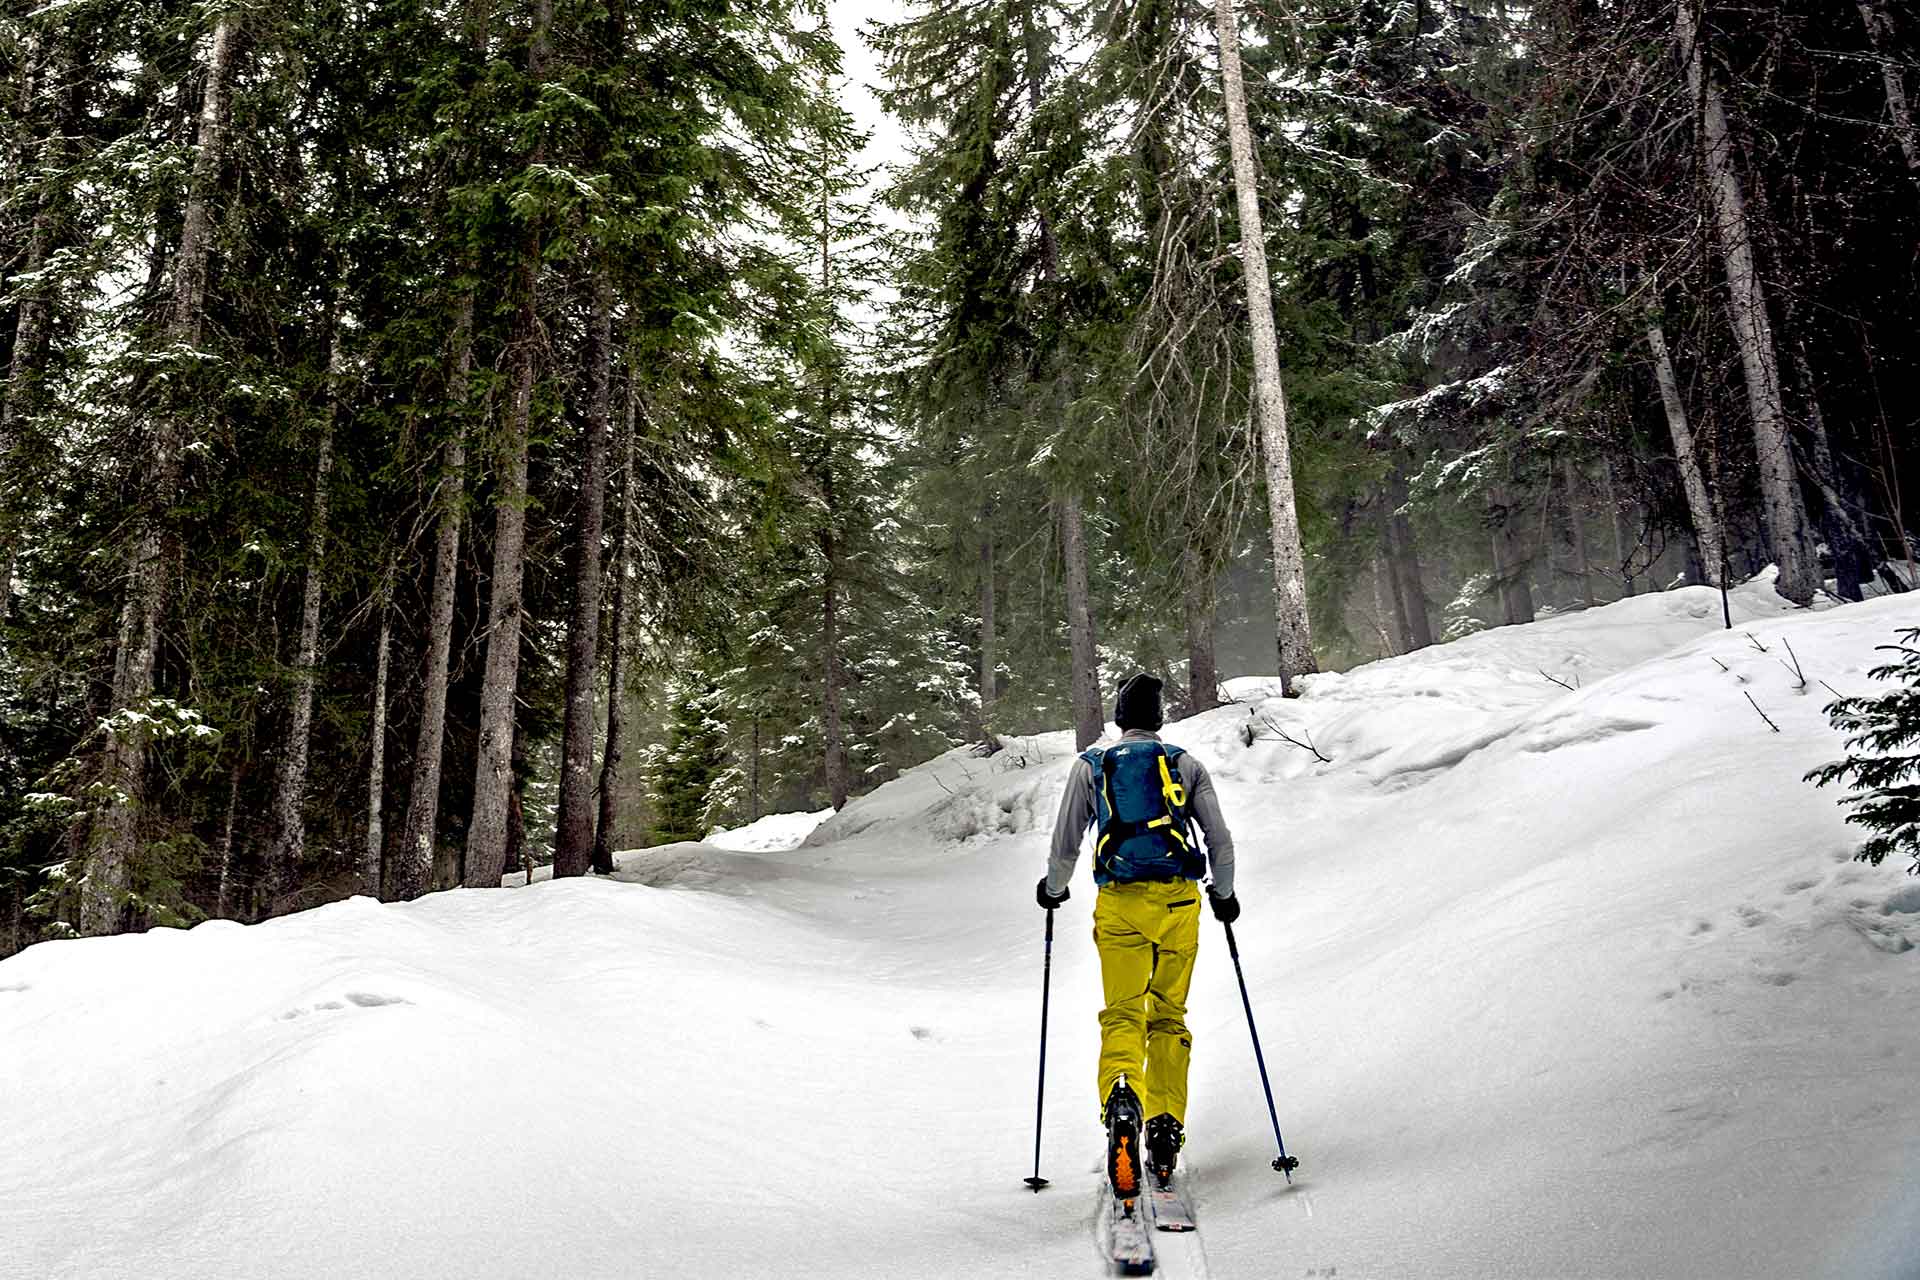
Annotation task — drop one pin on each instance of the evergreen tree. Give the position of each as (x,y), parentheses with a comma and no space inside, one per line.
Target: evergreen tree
(1884,772)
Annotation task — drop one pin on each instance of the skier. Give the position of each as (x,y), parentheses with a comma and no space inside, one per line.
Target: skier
(1143,795)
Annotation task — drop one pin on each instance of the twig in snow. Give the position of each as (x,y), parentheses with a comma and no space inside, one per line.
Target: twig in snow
(1830,689)
(1798,674)
(1729,670)
(1288,738)
(1763,715)
(1755,643)
(1557,680)
(943,786)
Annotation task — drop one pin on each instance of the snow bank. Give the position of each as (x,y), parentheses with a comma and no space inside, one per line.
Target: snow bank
(765,835)
(1555,980)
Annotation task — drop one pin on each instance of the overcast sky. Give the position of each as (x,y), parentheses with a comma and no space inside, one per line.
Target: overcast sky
(863,73)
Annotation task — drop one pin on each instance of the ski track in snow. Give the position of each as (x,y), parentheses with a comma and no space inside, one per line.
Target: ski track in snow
(1551,983)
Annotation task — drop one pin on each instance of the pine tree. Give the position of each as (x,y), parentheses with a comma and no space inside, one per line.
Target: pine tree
(1884,771)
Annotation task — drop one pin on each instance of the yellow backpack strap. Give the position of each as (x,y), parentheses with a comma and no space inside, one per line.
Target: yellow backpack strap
(1176,795)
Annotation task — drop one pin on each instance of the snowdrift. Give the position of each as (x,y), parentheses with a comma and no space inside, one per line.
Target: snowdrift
(1560,968)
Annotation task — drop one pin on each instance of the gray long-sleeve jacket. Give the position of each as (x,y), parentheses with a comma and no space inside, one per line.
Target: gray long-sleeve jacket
(1076,815)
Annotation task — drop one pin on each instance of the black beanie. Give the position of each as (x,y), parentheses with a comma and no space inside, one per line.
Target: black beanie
(1138,706)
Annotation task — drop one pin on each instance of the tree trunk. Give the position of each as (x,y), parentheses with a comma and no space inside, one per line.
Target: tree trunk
(1509,559)
(753,804)
(373,857)
(1781,503)
(1409,586)
(1089,721)
(1706,528)
(573,839)
(1577,526)
(1618,521)
(1387,607)
(289,848)
(836,754)
(223,851)
(1203,672)
(33,316)
(603,835)
(1853,559)
(413,870)
(1880,35)
(103,905)
(989,677)
(493,787)
(1294,633)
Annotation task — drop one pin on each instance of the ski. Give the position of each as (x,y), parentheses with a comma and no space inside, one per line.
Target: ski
(1129,1242)
(1171,1212)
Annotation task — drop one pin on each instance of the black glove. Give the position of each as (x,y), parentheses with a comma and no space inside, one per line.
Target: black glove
(1046,899)
(1226,910)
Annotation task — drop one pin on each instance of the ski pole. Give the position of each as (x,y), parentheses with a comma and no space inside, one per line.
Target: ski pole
(1040,1100)
(1284,1163)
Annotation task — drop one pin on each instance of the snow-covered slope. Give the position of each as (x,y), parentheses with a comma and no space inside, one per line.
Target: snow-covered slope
(1553,983)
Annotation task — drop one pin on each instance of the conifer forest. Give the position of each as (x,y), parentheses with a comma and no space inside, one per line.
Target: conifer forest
(444,437)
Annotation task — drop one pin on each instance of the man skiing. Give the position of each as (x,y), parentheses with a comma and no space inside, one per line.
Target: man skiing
(1143,795)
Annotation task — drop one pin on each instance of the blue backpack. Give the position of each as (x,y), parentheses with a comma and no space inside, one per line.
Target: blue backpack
(1144,831)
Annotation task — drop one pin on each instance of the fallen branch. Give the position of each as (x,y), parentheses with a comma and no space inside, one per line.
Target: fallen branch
(1557,680)
(1289,739)
(1763,715)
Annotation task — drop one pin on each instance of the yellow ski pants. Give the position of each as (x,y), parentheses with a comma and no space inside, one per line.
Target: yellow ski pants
(1147,935)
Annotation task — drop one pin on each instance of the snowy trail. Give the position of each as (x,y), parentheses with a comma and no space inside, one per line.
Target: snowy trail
(1551,984)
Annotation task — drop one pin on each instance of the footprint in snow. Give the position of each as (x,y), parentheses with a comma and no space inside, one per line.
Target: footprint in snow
(357,999)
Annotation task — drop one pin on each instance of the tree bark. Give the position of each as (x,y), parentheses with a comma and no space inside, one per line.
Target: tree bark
(1509,559)
(989,676)
(33,317)
(373,856)
(1388,607)
(223,852)
(603,835)
(836,754)
(103,904)
(1851,547)
(413,870)
(289,848)
(1294,634)
(1706,528)
(1880,35)
(1618,521)
(573,839)
(1781,503)
(1409,585)
(753,803)
(1089,720)
(1203,672)
(493,786)
(1576,521)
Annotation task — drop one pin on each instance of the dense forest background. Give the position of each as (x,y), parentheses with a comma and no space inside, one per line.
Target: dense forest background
(440,438)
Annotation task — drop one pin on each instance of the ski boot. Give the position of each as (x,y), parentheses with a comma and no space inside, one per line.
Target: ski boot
(1123,1142)
(1164,1140)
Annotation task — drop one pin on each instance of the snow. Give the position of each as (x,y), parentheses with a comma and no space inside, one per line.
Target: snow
(767,835)
(1552,983)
